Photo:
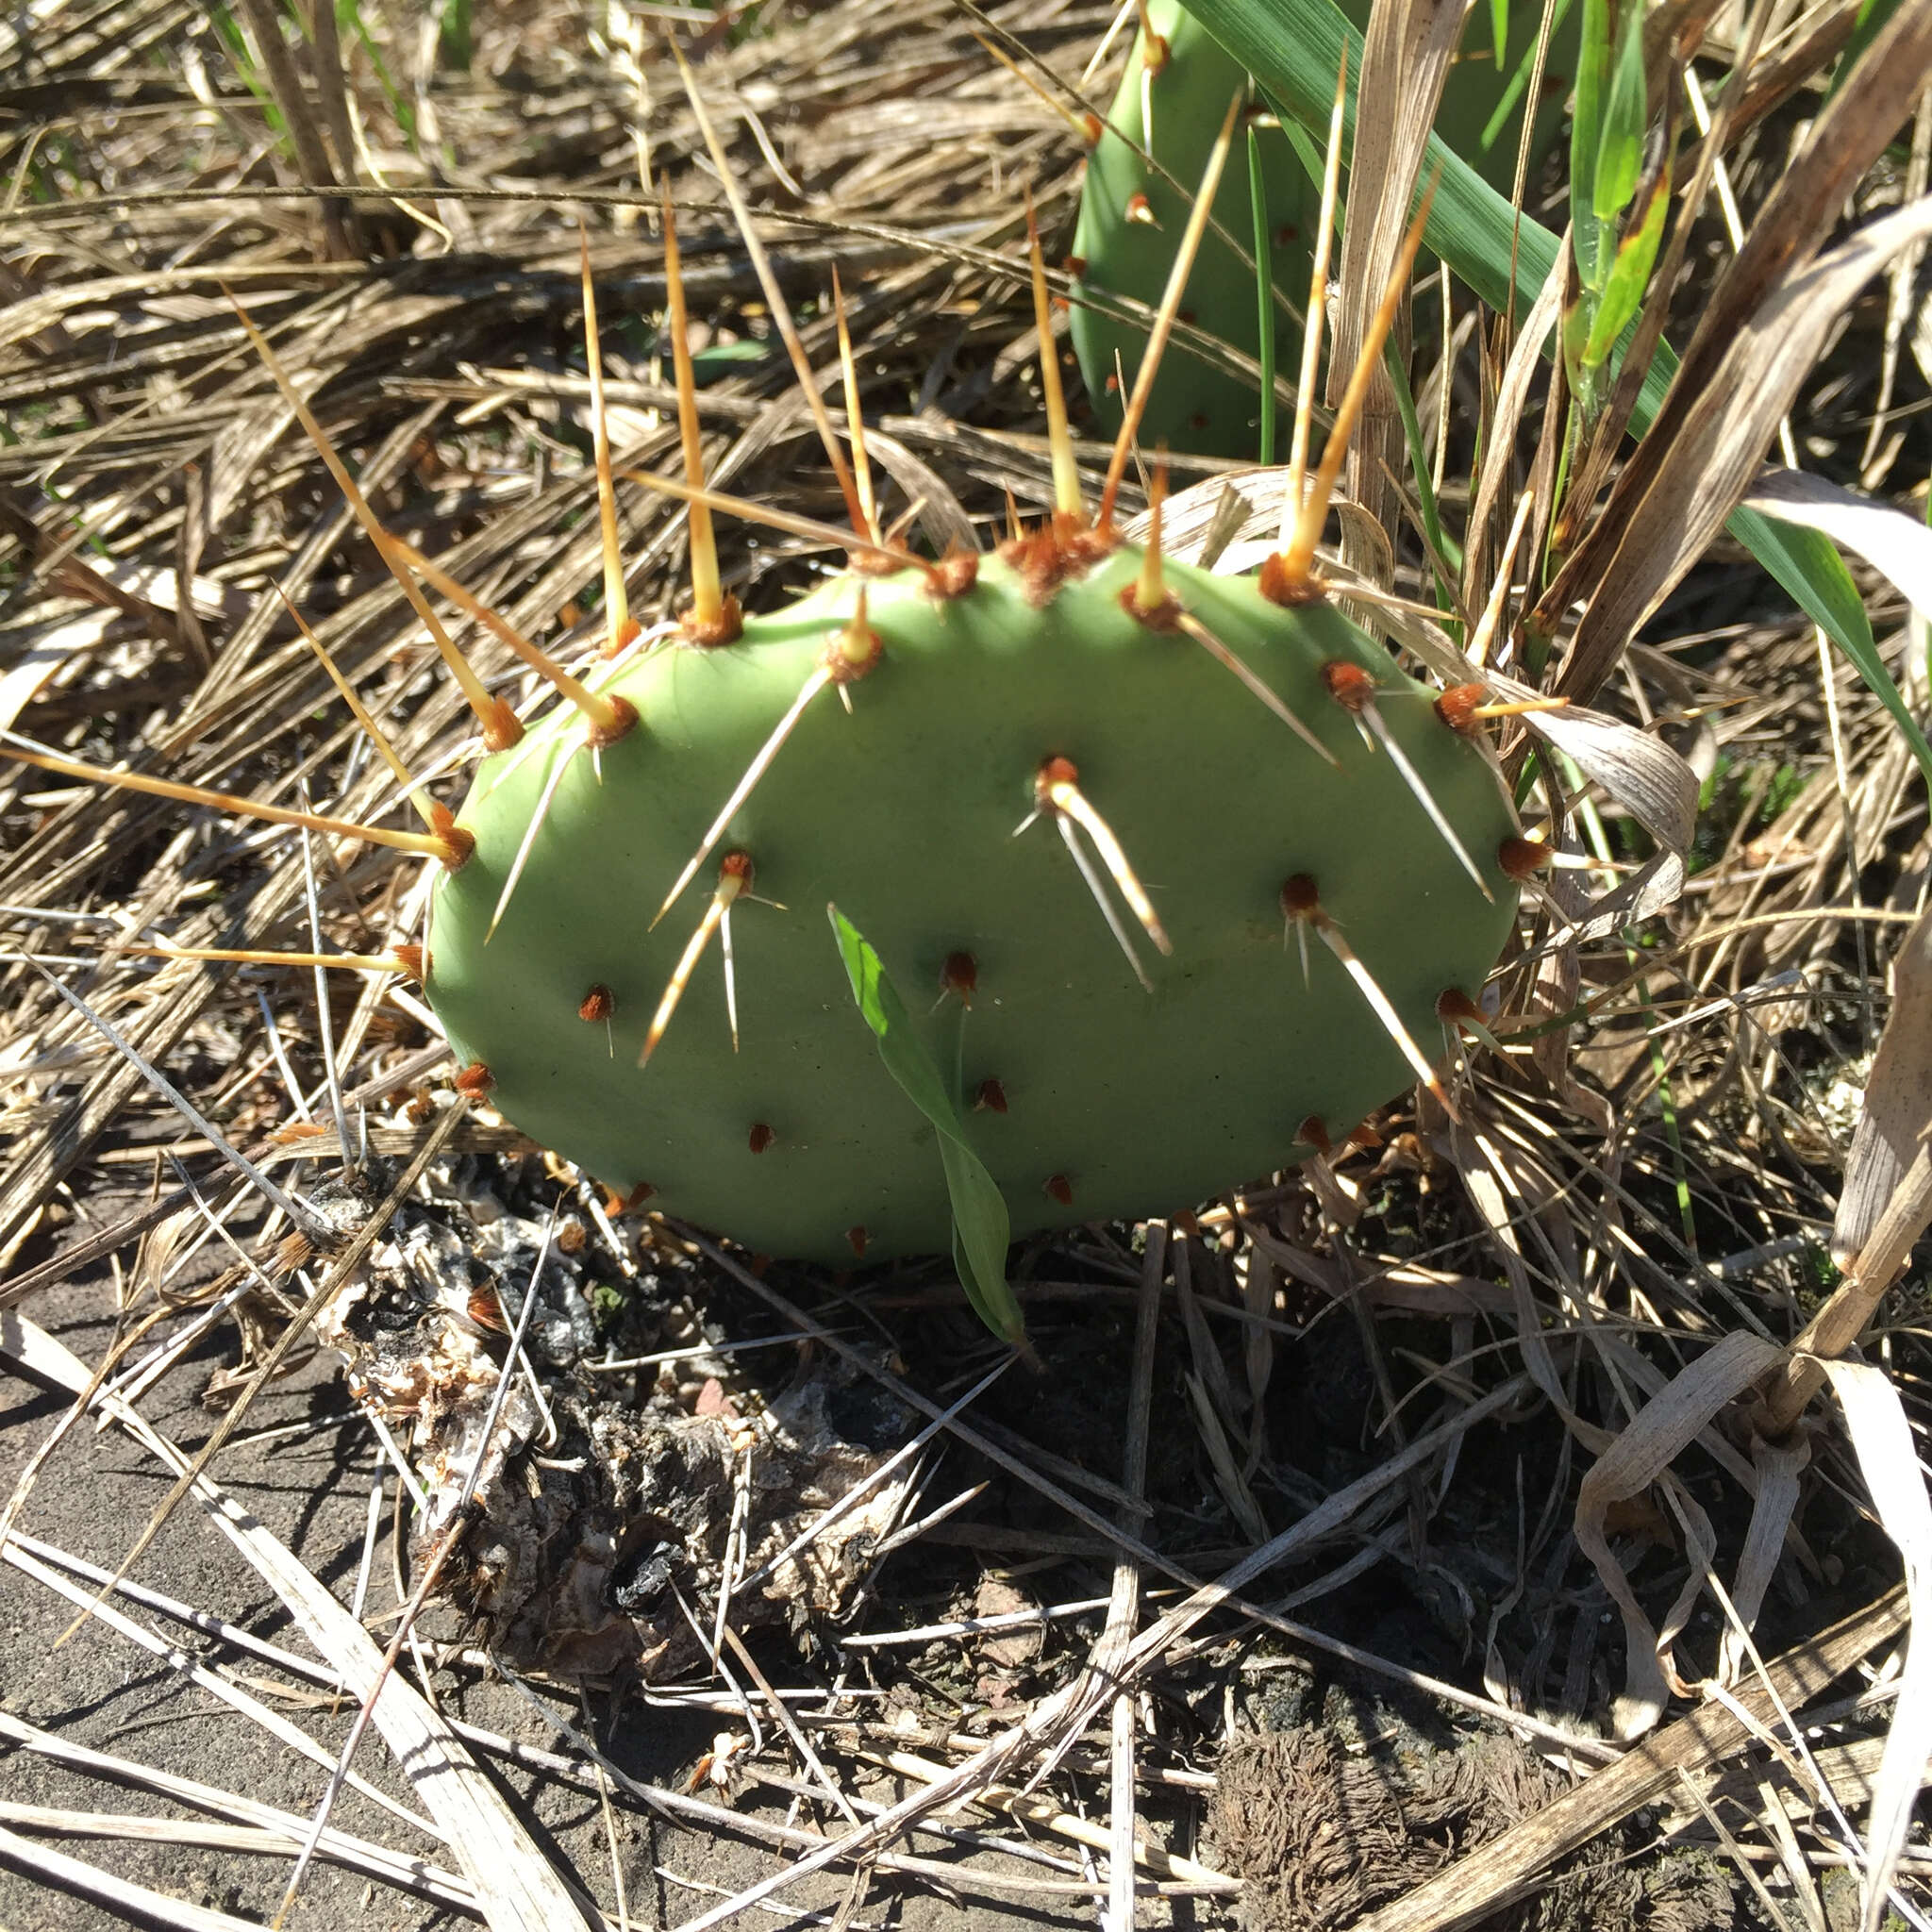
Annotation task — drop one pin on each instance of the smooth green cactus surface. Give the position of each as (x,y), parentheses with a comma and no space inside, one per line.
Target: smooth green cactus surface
(1132,217)
(1118,1101)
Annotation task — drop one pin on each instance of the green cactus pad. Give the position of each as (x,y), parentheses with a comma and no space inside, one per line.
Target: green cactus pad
(1125,246)
(1196,405)
(1118,1102)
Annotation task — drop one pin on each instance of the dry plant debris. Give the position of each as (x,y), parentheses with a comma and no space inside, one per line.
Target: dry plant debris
(1452,1524)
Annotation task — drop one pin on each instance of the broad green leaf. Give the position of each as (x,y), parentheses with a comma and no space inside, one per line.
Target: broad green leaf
(1287,45)
(981,1226)
(1625,115)
(1629,276)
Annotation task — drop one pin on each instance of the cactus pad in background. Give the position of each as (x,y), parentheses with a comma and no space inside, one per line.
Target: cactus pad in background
(1096,1095)
(1131,221)
(1132,216)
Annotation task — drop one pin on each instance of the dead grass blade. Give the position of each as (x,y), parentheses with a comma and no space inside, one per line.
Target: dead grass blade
(292,98)
(1051,1719)
(1512,395)
(122,1896)
(1897,1109)
(1663,523)
(1637,770)
(1048,1816)
(172,1608)
(449,380)
(1644,774)
(1777,1466)
(342,1266)
(456,1528)
(299,1216)
(1123,1605)
(1319,1524)
(85,1251)
(286,1732)
(1758,336)
(279,1832)
(1406,53)
(45,1820)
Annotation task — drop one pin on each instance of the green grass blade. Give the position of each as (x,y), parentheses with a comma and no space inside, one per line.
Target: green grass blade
(1518,81)
(1629,276)
(1586,139)
(1873,16)
(1287,45)
(455,40)
(981,1226)
(228,31)
(1812,569)
(349,22)
(1443,548)
(1264,285)
(1627,113)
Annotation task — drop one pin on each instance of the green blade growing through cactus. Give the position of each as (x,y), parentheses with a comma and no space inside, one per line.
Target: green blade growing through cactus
(980,1222)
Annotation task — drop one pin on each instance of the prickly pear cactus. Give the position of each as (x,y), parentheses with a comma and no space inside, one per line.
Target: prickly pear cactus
(1028,692)
(1132,217)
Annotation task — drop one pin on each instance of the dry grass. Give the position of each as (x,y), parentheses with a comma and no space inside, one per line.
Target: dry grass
(1377,1386)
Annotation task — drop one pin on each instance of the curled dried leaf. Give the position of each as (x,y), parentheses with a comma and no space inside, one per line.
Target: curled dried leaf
(1652,1441)
(1891,543)
(942,515)
(1898,1111)
(1641,773)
